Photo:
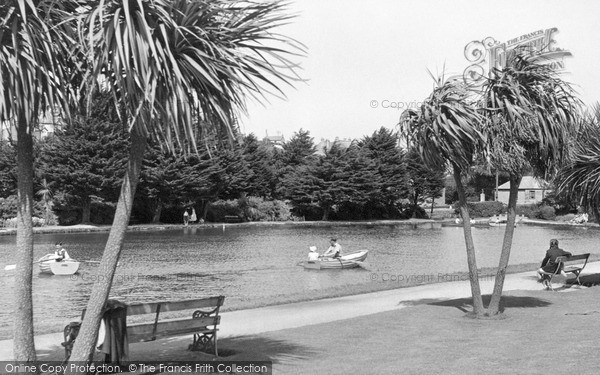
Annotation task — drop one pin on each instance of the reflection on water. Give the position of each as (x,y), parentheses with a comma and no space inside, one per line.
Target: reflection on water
(259,264)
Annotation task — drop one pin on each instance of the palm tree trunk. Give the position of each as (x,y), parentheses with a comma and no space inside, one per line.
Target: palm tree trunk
(84,345)
(478,308)
(494,306)
(23,344)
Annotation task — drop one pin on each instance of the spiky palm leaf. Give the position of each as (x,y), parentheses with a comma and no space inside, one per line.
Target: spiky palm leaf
(447,127)
(530,113)
(33,58)
(181,65)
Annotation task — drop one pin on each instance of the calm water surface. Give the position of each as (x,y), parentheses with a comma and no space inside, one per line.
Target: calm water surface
(254,266)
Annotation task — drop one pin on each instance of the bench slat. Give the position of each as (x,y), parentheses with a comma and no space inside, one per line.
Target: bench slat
(144,332)
(150,308)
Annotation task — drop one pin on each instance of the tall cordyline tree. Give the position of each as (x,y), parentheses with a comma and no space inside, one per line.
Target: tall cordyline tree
(529,112)
(33,61)
(580,177)
(175,67)
(446,129)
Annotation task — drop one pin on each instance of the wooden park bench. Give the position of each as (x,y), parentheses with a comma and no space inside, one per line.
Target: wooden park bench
(152,321)
(232,219)
(569,264)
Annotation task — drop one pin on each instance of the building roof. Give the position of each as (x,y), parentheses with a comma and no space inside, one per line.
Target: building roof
(326,144)
(527,183)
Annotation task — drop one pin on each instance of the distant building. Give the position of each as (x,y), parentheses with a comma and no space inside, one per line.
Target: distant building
(326,144)
(276,141)
(531,191)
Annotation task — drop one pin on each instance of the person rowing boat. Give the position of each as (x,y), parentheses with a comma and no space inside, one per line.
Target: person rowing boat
(334,250)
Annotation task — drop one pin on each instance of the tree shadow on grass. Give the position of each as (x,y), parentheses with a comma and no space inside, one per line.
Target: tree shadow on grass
(260,348)
(466,304)
(171,350)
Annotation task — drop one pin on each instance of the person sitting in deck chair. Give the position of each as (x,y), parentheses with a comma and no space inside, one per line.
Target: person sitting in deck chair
(334,251)
(549,264)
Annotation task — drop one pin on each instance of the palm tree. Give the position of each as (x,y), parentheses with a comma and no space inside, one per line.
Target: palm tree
(32,72)
(580,178)
(530,112)
(176,67)
(447,130)
(45,192)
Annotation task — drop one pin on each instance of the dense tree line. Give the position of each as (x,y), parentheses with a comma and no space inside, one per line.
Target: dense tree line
(80,168)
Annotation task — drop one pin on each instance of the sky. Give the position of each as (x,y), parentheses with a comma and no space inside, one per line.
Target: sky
(366,61)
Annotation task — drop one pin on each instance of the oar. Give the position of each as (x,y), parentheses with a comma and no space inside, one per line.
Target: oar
(11,267)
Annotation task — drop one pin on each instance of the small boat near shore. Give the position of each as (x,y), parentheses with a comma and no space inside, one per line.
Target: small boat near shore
(54,265)
(351,260)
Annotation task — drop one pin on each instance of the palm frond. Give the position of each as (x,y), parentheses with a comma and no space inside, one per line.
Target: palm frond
(188,64)
(446,128)
(530,112)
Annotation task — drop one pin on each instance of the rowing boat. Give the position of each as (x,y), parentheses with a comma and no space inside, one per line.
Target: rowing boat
(53,264)
(346,261)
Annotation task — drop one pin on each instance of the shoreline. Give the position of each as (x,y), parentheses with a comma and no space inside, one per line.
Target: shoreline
(417,223)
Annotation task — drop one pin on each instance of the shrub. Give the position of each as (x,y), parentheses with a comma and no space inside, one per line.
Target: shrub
(528,210)
(8,207)
(485,209)
(219,209)
(258,209)
(546,213)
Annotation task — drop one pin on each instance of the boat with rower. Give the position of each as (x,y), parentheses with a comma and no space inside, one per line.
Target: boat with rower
(351,260)
(56,265)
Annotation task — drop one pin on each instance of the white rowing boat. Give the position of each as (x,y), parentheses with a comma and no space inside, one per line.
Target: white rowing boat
(346,261)
(53,264)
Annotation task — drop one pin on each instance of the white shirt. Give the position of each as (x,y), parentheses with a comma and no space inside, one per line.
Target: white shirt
(313,255)
(333,249)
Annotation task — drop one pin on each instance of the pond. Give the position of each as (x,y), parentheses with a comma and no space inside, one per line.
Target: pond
(256,266)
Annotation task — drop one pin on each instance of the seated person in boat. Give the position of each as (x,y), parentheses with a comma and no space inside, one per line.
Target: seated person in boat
(313,254)
(334,251)
(549,264)
(61,253)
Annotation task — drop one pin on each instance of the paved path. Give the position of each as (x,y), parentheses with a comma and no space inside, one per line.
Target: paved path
(273,318)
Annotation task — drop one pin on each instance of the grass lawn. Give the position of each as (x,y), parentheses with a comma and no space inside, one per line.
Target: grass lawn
(427,337)
(435,337)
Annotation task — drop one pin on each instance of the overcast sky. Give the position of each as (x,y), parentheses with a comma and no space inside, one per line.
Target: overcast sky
(365,55)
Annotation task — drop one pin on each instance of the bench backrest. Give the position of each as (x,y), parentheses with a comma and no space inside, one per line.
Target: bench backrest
(206,314)
(159,307)
(573,258)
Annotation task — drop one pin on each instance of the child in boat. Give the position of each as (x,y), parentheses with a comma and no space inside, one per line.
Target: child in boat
(313,254)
